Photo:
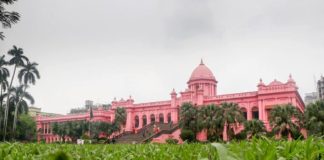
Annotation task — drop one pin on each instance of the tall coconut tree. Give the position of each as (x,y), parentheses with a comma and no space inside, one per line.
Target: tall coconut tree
(285,120)
(4,74)
(18,98)
(18,60)
(209,118)
(231,116)
(27,75)
(254,127)
(314,118)
(7,18)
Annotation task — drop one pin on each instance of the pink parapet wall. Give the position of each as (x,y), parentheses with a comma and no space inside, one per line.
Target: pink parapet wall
(201,90)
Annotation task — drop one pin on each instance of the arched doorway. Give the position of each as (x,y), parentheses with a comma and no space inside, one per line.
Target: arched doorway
(152,117)
(161,118)
(244,111)
(136,121)
(169,117)
(144,120)
(255,113)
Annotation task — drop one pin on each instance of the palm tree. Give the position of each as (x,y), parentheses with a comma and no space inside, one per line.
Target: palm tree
(27,74)
(4,74)
(285,120)
(7,18)
(189,117)
(209,119)
(120,116)
(17,95)
(17,60)
(231,116)
(18,99)
(254,127)
(314,118)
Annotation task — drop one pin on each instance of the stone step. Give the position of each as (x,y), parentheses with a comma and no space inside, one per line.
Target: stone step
(138,137)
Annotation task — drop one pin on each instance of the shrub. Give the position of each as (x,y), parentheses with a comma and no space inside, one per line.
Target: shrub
(102,141)
(171,141)
(214,138)
(85,136)
(297,135)
(60,155)
(240,136)
(270,134)
(187,135)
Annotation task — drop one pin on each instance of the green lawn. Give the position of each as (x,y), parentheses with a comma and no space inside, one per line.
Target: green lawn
(258,149)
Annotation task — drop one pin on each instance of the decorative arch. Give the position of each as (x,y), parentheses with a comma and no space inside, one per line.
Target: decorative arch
(144,120)
(169,117)
(244,111)
(255,113)
(152,117)
(136,121)
(161,118)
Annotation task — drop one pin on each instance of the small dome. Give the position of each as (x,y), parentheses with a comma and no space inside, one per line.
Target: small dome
(275,83)
(202,72)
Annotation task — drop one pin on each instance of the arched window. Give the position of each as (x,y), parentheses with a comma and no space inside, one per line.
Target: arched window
(169,117)
(136,121)
(161,118)
(152,118)
(244,112)
(255,113)
(144,120)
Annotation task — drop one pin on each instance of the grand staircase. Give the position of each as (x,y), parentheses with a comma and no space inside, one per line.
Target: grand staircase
(140,137)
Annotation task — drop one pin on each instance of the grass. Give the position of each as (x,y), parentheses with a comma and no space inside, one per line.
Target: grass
(257,149)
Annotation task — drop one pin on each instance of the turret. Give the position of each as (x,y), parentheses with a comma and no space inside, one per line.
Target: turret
(173,98)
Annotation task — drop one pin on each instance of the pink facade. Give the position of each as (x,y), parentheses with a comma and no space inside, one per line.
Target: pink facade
(202,90)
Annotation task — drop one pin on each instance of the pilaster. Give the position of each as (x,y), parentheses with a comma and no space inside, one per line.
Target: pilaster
(129,126)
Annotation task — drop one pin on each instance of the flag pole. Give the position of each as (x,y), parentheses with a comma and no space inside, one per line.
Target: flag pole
(90,118)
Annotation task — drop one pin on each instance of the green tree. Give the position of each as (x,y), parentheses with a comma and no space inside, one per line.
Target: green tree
(18,102)
(27,75)
(4,74)
(120,116)
(26,128)
(61,129)
(103,128)
(314,118)
(231,116)
(7,18)
(75,129)
(285,120)
(18,60)
(189,117)
(18,95)
(209,118)
(254,127)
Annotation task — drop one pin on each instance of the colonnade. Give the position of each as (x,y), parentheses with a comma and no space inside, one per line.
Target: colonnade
(145,119)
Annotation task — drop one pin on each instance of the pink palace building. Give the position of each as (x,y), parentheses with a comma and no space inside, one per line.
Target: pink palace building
(202,90)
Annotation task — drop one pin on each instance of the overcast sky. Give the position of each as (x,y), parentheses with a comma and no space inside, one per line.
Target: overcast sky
(103,49)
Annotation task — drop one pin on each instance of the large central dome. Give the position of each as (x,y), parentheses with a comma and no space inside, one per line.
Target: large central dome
(202,72)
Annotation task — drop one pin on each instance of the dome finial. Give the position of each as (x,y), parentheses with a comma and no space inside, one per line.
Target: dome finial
(201,62)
